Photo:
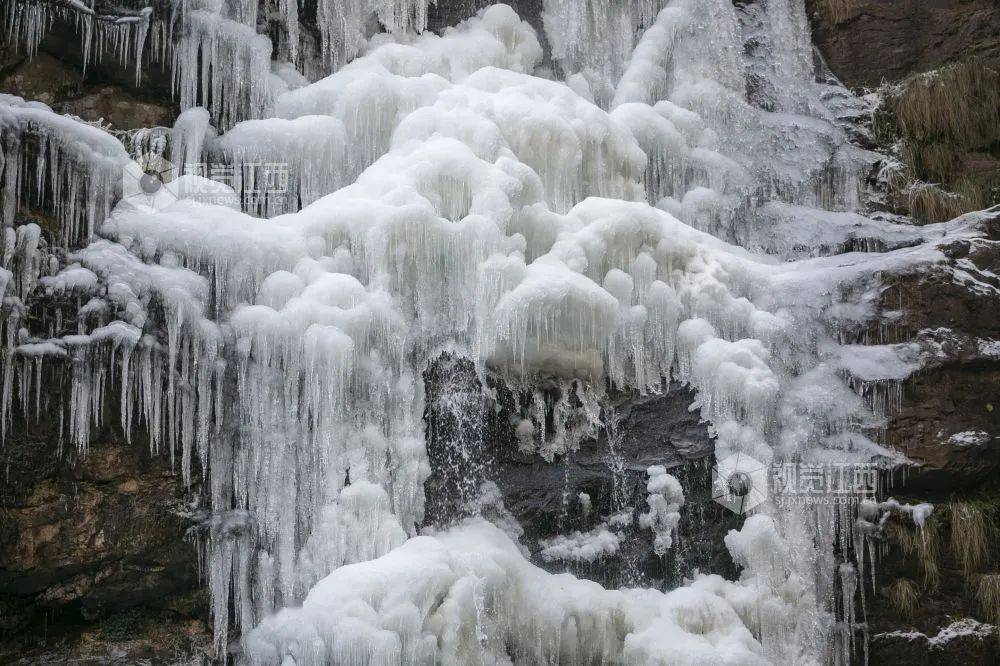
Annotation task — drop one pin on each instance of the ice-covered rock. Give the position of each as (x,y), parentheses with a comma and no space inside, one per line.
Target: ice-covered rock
(441,196)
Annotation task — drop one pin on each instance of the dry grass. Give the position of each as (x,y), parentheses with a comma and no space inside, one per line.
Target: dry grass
(981,188)
(838,11)
(936,161)
(958,104)
(988,598)
(948,125)
(924,546)
(927,202)
(903,596)
(970,536)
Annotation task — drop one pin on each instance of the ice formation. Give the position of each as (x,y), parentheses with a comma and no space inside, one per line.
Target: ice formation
(619,229)
(123,36)
(343,23)
(964,628)
(580,546)
(666,496)
(47,157)
(919,513)
(221,63)
(464,596)
(593,39)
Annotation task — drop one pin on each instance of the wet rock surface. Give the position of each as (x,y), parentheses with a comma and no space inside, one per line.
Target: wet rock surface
(472,441)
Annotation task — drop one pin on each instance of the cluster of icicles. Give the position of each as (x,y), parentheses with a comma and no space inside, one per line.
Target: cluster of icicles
(442,197)
(27,22)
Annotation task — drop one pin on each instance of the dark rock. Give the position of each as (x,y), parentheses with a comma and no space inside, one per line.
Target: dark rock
(948,424)
(59,84)
(118,108)
(471,441)
(866,42)
(914,648)
(947,625)
(950,310)
(42,78)
(87,538)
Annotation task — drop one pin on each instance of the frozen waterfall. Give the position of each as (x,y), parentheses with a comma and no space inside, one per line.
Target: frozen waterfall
(618,214)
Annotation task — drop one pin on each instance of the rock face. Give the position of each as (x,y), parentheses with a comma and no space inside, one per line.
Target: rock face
(94,559)
(944,625)
(949,419)
(948,425)
(650,430)
(471,441)
(94,543)
(47,79)
(866,42)
(964,641)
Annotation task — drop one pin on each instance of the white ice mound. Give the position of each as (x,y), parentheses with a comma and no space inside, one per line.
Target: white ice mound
(468,596)
(361,105)
(587,546)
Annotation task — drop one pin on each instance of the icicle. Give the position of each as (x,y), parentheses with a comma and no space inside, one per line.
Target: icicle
(341,26)
(191,131)
(51,158)
(28,21)
(222,65)
(594,38)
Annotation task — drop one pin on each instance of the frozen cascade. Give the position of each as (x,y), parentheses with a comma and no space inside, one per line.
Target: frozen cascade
(733,148)
(443,198)
(26,23)
(592,40)
(344,24)
(221,64)
(50,157)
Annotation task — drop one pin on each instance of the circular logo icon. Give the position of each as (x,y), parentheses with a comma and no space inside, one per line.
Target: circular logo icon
(145,178)
(150,183)
(739,482)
